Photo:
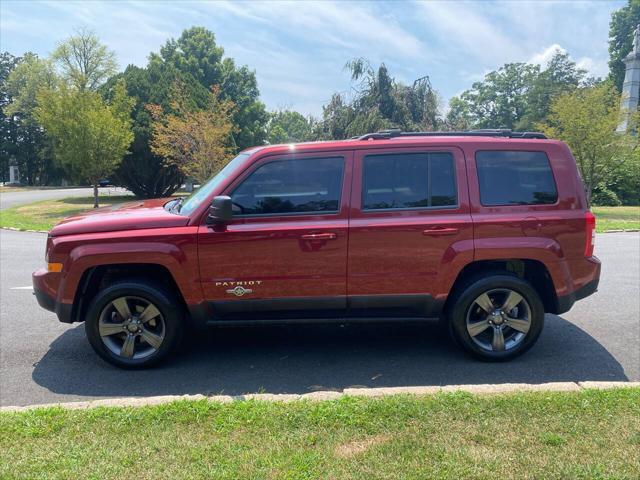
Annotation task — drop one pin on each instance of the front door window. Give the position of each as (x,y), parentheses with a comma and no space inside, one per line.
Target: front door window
(291,187)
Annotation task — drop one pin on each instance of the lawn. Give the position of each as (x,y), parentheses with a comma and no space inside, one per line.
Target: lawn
(617,218)
(586,434)
(45,214)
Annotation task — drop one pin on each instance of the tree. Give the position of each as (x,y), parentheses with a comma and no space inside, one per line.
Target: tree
(196,54)
(195,141)
(90,136)
(586,119)
(623,23)
(29,146)
(380,102)
(141,171)
(196,62)
(84,61)
(8,124)
(287,126)
(561,75)
(516,96)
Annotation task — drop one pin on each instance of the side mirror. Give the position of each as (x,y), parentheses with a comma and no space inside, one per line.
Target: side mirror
(220,210)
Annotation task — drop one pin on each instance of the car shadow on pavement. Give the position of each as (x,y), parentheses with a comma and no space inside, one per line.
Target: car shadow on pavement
(305,358)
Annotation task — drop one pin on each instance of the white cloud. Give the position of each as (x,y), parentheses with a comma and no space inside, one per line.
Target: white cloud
(339,24)
(298,49)
(466,28)
(543,57)
(595,67)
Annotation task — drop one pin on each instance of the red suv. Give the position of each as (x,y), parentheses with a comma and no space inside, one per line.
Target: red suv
(486,230)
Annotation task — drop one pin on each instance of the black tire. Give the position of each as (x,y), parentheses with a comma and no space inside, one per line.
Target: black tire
(464,299)
(170,317)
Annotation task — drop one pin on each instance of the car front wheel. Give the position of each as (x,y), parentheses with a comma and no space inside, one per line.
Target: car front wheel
(133,324)
(496,318)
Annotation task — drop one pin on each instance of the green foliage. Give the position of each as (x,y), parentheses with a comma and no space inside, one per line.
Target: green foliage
(380,102)
(196,62)
(516,96)
(626,179)
(196,141)
(623,23)
(141,171)
(196,54)
(90,136)
(29,76)
(288,126)
(8,123)
(586,119)
(85,62)
(22,135)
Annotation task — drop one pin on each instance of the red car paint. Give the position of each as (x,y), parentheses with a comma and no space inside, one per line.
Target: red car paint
(349,258)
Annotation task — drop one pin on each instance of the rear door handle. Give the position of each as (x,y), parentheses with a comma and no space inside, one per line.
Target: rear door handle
(440,231)
(319,236)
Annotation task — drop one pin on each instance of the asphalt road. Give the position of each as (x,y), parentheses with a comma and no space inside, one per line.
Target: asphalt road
(43,361)
(22,197)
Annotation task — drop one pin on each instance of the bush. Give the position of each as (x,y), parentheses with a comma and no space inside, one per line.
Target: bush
(605,197)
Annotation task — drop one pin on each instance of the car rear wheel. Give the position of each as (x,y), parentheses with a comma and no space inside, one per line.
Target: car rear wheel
(133,324)
(496,318)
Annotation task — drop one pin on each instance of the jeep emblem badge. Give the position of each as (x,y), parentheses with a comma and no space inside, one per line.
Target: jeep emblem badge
(239,291)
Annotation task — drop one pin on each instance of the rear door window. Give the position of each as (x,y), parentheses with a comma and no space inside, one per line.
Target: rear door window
(312,185)
(408,180)
(515,178)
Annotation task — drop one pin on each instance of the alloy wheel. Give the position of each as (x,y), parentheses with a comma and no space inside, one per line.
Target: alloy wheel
(132,328)
(498,320)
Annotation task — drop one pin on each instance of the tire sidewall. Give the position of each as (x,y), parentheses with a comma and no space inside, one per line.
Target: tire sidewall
(473,289)
(163,300)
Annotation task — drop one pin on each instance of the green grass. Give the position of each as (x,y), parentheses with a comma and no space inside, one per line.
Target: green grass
(617,218)
(586,434)
(45,214)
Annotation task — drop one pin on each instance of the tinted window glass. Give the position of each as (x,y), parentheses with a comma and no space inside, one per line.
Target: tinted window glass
(515,178)
(291,186)
(409,180)
(443,180)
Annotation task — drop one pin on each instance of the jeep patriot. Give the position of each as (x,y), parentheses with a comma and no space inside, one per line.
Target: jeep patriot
(484,230)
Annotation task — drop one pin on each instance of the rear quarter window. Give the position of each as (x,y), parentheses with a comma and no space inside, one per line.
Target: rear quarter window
(515,178)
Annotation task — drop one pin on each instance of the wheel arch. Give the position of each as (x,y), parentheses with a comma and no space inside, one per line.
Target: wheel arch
(533,271)
(97,277)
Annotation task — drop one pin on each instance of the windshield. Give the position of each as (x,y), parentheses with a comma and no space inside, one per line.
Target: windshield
(198,196)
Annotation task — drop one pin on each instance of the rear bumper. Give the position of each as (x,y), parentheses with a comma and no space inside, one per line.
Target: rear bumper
(566,302)
(42,281)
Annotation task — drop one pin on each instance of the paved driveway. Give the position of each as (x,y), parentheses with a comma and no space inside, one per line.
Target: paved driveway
(22,197)
(44,361)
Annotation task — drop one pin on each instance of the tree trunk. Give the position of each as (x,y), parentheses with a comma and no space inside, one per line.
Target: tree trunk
(95,195)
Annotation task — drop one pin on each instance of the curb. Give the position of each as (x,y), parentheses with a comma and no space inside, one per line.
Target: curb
(481,389)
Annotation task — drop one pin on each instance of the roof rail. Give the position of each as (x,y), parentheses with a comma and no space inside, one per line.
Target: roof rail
(488,132)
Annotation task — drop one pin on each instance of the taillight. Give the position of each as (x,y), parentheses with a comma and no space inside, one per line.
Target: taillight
(590,232)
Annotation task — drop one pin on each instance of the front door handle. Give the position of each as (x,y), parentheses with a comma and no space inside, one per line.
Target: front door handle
(319,236)
(440,231)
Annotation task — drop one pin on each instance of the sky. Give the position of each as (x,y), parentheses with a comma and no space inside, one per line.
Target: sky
(298,49)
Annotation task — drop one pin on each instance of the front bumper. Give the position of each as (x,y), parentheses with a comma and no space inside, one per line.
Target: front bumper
(43,282)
